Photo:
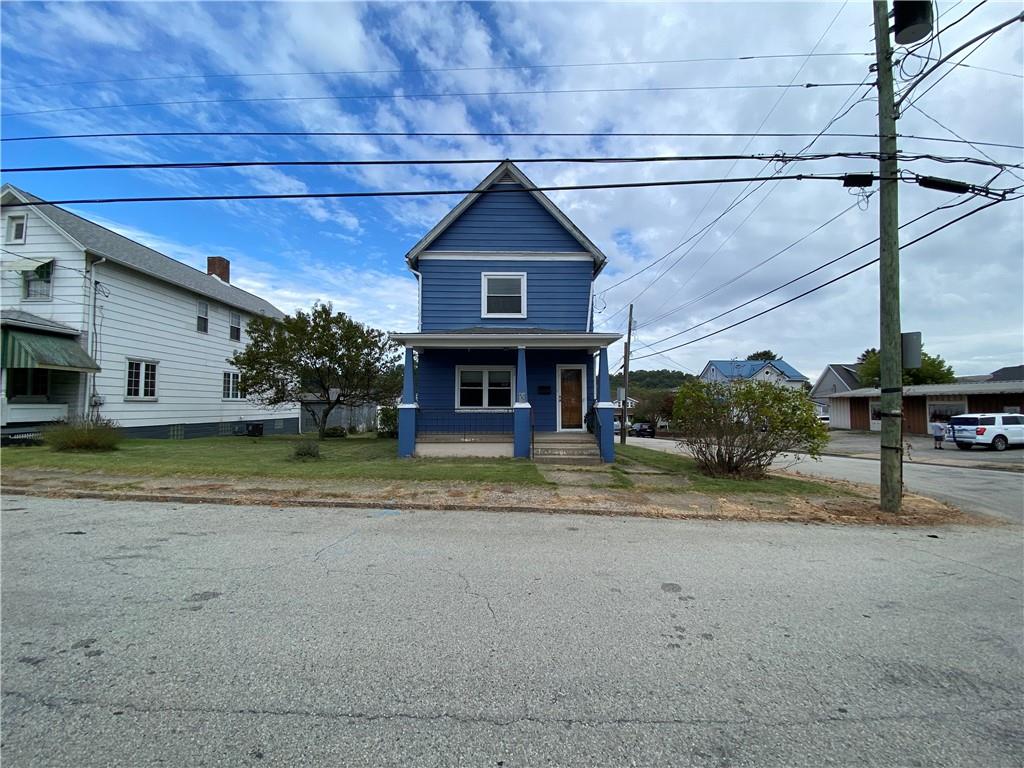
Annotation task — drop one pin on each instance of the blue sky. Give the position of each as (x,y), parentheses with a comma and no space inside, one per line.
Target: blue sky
(962,289)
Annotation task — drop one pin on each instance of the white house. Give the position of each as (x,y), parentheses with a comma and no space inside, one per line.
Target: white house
(95,323)
(772,371)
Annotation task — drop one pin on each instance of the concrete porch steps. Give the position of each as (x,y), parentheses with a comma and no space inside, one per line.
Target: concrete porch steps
(566,448)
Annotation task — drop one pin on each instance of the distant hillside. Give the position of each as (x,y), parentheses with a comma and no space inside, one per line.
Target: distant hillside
(661,379)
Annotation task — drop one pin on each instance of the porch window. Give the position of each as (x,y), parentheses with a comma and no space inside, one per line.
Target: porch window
(27,382)
(38,281)
(483,387)
(141,383)
(503,294)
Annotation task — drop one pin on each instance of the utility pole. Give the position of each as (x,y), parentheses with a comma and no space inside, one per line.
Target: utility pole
(890,352)
(625,379)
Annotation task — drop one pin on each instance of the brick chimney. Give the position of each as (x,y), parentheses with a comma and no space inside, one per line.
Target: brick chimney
(220,267)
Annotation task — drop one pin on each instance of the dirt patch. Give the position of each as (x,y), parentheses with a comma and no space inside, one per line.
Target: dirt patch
(585,492)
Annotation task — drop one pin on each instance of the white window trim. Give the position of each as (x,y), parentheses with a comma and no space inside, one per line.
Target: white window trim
(142,380)
(486,369)
(483,295)
(25,277)
(237,389)
(8,239)
(231,326)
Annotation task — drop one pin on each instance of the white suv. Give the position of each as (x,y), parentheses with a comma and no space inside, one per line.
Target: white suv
(994,430)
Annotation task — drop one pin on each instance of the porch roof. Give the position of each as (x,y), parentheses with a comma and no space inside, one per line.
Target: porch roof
(25,349)
(474,338)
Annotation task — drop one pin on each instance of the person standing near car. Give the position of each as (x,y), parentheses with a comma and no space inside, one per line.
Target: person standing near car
(939,433)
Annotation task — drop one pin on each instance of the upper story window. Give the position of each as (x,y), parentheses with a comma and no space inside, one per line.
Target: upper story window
(37,283)
(503,294)
(16,228)
(235,326)
(202,317)
(141,381)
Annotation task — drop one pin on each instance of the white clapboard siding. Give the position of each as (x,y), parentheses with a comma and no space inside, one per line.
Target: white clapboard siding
(67,303)
(151,320)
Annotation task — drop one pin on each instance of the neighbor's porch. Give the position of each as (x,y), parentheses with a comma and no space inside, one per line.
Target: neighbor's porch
(521,397)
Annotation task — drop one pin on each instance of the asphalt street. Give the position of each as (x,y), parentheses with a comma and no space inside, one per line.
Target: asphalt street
(989,492)
(158,634)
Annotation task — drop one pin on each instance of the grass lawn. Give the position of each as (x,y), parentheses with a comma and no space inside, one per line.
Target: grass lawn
(687,467)
(355,458)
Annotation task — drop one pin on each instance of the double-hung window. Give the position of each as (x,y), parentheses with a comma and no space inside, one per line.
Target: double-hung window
(37,283)
(141,382)
(202,317)
(16,228)
(503,294)
(235,326)
(483,387)
(230,389)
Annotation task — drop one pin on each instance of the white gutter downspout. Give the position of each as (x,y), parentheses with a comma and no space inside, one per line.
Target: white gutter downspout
(90,384)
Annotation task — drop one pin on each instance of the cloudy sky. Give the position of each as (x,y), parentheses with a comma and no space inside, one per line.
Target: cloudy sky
(962,288)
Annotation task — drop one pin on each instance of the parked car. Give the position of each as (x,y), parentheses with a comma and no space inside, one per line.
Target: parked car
(824,420)
(642,429)
(992,430)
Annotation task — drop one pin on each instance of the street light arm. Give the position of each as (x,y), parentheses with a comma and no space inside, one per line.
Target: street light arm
(948,56)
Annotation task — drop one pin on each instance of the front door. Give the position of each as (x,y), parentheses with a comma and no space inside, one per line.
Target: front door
(570,397)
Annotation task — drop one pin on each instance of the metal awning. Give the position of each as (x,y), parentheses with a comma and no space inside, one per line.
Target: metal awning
(24,265)
(24,349)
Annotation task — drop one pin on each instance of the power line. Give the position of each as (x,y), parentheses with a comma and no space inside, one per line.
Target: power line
(827,283)
(488,134)
(398,96)
(820,267)
(421,70)
(746,272)
(906,92)
(736,200)
(426,193)
(761,157)
(952,69)
(949,130)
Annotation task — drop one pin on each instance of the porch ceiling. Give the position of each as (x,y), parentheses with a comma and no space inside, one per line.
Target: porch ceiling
(529,340)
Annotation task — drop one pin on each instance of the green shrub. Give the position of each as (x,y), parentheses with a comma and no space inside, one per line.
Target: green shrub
(387,421)
(335,432)
(87,434)
(306,449)
(737,429)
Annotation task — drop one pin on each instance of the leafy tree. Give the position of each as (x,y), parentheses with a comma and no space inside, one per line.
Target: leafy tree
(654,404)
(736,429)
(764,354)
(660,379)
(323,354)
(933,370)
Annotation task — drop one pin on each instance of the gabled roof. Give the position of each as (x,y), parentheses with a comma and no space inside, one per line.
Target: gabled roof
(105,243)
(745,369)
(507,171)
(848,372)
(1009,373)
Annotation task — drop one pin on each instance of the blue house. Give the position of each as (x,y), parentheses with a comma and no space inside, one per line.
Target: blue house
(505,360)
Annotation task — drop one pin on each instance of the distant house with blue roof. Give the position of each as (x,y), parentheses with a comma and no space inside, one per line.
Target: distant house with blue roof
(772,371)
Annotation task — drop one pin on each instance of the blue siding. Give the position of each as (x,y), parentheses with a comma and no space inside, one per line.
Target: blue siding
(435,387)
(506,221)
(557,294)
